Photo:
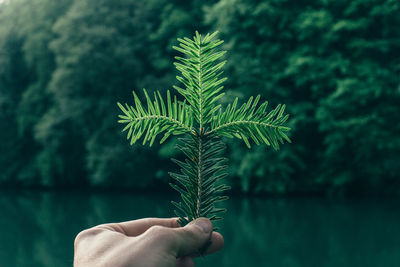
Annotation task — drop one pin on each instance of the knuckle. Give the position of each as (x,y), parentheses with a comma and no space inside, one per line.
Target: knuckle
(161,235)
(193,233)
(79,237)
(157,231)
(85,234)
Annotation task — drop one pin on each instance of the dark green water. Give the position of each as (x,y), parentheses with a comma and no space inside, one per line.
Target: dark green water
(38,229)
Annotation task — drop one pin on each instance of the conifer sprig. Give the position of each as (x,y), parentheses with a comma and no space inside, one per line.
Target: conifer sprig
(204,120)
(202,168)
(169,118)
(200,75)
(252,122)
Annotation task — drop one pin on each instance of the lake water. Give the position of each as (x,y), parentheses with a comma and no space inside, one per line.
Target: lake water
(38,229)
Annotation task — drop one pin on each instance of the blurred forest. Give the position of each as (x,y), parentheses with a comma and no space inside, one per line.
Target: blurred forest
(336,64)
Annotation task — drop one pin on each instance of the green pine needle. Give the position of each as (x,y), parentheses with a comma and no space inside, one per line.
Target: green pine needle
(204,121)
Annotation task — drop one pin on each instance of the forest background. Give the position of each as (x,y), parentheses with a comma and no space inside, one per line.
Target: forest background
(335,63)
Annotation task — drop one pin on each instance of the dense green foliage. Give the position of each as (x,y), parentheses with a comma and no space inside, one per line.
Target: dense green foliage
(64,64)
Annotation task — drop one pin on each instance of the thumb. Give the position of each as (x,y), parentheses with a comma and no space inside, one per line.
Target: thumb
(193,237)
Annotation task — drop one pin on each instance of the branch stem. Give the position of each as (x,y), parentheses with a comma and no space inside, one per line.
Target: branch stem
(199,76)
(264,124)
(199,176)
(158,117)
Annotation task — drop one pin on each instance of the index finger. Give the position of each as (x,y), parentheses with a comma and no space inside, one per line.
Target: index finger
(138,227)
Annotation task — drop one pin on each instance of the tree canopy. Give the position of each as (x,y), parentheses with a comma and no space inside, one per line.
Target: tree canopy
(64,64)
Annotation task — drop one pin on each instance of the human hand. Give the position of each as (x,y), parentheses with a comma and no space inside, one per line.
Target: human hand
(150,242)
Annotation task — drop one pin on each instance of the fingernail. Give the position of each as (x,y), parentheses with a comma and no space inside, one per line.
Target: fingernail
(204,225)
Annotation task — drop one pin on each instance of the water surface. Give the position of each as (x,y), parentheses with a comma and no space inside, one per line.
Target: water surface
(38,229)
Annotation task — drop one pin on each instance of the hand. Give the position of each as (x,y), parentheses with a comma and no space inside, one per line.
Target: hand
(150,242)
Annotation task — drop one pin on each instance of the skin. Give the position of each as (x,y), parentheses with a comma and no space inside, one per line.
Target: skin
(150,242)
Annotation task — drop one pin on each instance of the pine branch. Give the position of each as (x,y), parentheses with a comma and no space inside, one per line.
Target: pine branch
(199,182)
(202,169)
(250,122)
(174,118)
(200,75)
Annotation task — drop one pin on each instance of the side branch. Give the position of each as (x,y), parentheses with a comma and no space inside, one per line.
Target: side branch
(172,117)
(252,122)
(161,118)
(261,124)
